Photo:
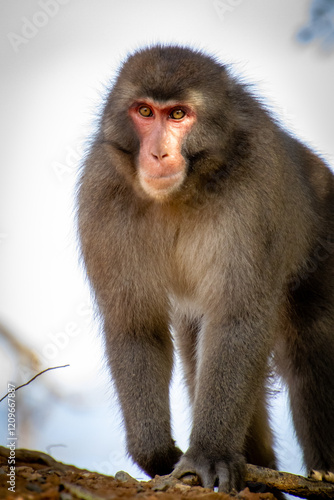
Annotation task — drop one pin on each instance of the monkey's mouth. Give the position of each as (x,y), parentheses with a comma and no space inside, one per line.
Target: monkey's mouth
(158,186)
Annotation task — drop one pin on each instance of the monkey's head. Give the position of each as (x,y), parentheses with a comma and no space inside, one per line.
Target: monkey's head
(168,115)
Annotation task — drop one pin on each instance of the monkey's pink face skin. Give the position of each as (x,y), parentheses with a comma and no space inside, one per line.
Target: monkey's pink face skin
(161,130)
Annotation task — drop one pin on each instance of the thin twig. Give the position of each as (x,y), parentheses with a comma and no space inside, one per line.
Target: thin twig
(38,374)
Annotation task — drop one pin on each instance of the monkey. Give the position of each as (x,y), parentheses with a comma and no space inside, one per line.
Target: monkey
(205,225)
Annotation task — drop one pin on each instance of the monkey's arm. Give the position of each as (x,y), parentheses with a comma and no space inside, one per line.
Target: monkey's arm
(134,308)
(141,363)
(232,358)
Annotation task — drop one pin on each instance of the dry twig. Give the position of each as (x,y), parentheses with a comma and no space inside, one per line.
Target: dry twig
(33,378)
(289,483)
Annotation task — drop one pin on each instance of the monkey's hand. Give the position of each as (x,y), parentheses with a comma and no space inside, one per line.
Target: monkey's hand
(226,473)
(157,461)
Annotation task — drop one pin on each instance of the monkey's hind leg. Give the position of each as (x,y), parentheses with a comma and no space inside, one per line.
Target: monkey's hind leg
(259,439)
(259,445)
(309,372)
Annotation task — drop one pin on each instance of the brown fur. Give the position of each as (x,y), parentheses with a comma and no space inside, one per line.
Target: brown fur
(233,260)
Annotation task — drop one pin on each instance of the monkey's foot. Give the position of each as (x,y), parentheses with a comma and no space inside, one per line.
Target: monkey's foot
(228,475)
(322,475)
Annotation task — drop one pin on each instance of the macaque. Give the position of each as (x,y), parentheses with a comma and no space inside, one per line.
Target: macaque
(200,218)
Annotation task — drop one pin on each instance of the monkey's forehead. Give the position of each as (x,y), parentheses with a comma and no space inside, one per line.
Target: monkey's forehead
(193,98)
(170,72)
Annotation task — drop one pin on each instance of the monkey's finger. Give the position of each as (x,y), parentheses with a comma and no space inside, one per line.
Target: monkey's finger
(187,471)
(230,476)
(209,477)
(183,469)
(223,477)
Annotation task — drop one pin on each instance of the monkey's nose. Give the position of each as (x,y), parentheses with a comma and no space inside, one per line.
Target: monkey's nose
(160,156)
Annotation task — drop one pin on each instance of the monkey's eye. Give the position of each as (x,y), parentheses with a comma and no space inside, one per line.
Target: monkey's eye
(145,111)
(177,114)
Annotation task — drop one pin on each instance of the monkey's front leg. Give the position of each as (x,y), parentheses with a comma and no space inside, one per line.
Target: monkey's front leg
(232,363)
(141,364)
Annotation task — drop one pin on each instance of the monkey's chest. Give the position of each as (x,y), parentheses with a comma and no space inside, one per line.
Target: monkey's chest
(197,262)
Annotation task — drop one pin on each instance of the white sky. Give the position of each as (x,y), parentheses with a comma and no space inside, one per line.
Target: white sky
(51,81)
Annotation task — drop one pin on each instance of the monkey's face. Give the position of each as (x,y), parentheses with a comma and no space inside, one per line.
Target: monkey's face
(161,128)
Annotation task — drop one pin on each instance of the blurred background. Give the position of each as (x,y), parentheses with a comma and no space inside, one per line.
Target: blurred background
(57,59)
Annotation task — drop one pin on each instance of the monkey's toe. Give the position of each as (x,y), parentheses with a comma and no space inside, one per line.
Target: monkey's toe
(321,475)
(329,476)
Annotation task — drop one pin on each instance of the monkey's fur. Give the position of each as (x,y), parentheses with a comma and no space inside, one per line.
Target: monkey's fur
(238,260)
